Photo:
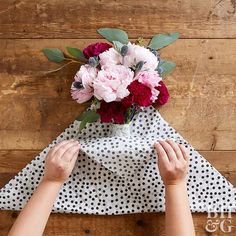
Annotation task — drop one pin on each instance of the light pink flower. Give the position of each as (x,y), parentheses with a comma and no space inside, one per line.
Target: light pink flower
(82,95)
(86,75)
(110,57)
(111,83)
(137,53)
(151,79)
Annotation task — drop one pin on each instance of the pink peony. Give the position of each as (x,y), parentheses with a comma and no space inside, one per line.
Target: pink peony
(151,79)
(86,75)
(110,58)
(138,53)
(95,49)
(111,83)
(134,55)
(81,95)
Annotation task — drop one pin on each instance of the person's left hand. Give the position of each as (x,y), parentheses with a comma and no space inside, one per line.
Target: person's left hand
(60,161)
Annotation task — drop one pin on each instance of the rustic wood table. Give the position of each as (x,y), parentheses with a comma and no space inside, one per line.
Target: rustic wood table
(34,109)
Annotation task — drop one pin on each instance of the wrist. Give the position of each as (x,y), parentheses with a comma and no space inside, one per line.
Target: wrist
(178,184)
(51,183)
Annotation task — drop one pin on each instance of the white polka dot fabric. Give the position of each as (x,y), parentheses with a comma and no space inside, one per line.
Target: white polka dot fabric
(118,175)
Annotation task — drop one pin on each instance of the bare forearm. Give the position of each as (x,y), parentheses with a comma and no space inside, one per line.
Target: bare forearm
(178,215)
(33,218)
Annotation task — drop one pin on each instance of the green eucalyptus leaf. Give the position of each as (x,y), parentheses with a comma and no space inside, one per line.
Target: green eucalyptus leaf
(118,45)
(112,34)
(54,54)
(89,116)
(162,40)
(165,67)
(75,52)
(81,116)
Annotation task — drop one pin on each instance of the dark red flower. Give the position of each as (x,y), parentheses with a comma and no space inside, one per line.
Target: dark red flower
(112,112)
(95,49)
(127,101)
(163,95)
(141,94)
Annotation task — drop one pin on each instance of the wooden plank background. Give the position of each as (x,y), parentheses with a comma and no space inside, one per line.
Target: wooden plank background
(34,109)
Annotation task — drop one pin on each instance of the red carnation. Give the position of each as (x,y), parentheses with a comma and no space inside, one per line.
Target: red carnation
(95,49)
(141,94)
(163,95)
(127,101)
(112,112)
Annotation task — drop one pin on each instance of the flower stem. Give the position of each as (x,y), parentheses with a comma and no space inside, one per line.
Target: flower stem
(68,63)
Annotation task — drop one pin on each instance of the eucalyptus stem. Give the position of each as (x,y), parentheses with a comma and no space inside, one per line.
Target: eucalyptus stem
(70,62)
(70,59)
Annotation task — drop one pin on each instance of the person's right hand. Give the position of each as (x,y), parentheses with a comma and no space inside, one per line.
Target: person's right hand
(173,161)
(60,161)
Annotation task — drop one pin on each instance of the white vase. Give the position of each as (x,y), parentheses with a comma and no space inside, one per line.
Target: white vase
(121,130)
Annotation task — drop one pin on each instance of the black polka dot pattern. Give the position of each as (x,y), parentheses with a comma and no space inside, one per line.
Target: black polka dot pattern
(118,175)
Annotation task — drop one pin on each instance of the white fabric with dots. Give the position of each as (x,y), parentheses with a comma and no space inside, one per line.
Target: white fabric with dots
(118,175)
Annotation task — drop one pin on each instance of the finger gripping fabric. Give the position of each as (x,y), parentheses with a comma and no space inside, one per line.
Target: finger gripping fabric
(119,175)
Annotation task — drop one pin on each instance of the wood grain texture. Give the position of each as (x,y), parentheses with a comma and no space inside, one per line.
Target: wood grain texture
(148,224)
(35,109)
(80,19)
(202,106)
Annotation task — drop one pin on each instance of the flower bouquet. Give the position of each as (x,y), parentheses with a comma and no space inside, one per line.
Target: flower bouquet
(120,77)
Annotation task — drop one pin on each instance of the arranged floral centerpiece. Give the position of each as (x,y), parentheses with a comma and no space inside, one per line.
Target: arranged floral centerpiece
(120,77)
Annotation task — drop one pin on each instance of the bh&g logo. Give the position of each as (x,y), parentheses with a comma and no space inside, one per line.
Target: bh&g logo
(219,221)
